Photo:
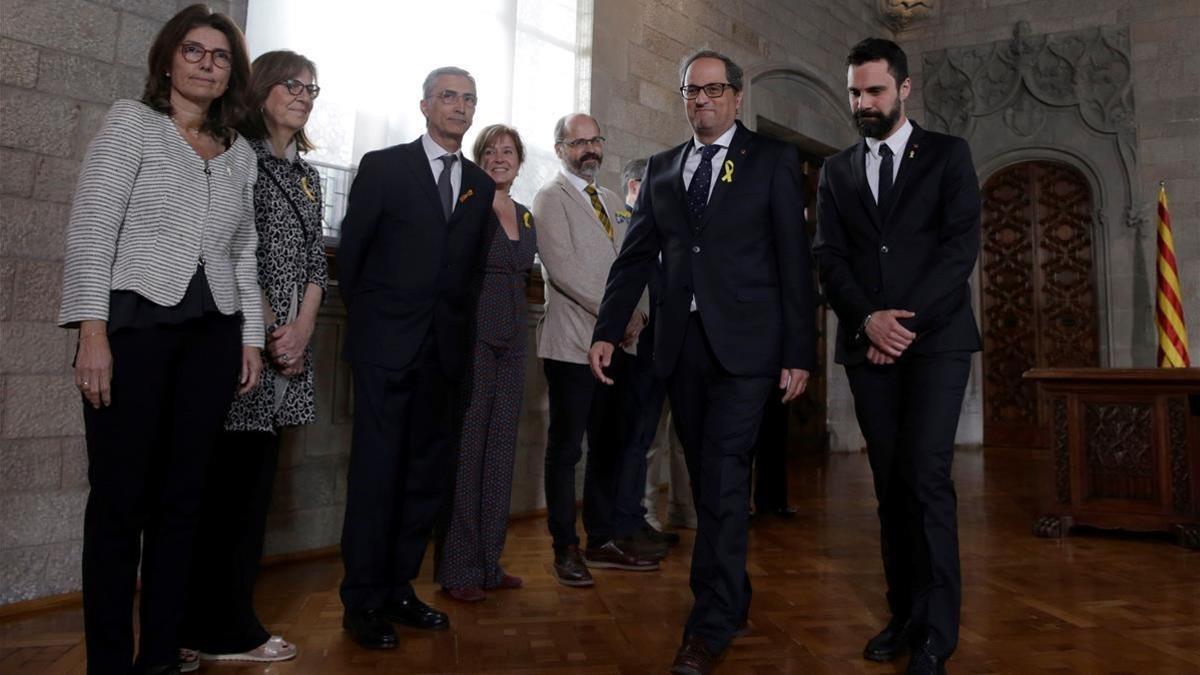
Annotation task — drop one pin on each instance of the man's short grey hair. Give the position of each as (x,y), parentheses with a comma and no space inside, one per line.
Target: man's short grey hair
(634,170)
(733,72)
(434,74)
(560,128)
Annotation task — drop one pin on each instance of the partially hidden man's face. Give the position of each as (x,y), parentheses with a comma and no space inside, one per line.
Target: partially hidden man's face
(450,108)
(876,102)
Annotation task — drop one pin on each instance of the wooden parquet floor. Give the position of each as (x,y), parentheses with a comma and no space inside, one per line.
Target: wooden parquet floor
(1093,603)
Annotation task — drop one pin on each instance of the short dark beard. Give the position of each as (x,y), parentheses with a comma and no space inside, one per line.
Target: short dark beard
(877,126)
(581,170)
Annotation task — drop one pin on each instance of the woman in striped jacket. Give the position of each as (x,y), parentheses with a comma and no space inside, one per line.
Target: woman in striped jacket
(160,279)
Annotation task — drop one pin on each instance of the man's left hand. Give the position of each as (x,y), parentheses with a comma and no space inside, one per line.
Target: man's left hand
(792,381)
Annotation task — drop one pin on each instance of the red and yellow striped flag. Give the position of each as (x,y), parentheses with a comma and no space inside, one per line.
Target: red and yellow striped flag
(1172,331)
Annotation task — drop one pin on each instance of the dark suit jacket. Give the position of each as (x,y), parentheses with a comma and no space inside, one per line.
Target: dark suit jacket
(915,251)
(746,260)
(402,268)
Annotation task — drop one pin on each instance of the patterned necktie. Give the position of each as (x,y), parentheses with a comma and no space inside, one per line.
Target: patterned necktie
(445,189)
(885,172)
(697,193)
(608,228)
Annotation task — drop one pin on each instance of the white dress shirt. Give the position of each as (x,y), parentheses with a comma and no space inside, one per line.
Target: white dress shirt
(693,162)
(434,151)
(897,142)
(694,155)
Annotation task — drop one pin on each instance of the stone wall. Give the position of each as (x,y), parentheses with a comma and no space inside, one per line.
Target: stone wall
(62,63)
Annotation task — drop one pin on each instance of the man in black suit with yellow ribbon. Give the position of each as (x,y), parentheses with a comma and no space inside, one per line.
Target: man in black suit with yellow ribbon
(734,321)
(418,218)
(897,238)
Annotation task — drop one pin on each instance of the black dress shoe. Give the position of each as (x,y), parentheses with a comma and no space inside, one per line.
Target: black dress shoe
(569,568)
(694,658)
(642,547)
(890,642)
(369,629)
(413,613)
(926,660)
(657,536)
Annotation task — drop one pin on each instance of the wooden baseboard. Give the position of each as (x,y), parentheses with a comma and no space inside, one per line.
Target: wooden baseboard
(40,604)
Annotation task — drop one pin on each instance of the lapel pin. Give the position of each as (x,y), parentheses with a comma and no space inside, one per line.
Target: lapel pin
(466,195)
(307,190)
(528,220)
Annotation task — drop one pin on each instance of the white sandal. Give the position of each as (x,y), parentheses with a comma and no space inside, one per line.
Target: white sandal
(189,660)
(275,649)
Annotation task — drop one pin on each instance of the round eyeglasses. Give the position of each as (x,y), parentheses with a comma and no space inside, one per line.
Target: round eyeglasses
(194,52)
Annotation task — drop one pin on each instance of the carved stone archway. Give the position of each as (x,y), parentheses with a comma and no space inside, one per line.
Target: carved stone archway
(1064,97)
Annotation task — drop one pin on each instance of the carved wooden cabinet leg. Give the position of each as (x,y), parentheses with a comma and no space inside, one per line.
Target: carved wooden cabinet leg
(1188,536)
(1050,527)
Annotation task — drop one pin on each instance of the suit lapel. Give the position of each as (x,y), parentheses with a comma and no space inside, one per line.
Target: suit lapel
(858,169)
(909,159)
(738,152)
(469,190)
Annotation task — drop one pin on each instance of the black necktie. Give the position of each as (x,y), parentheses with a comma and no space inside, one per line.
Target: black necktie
(445,189)
(697,193)
(885,172)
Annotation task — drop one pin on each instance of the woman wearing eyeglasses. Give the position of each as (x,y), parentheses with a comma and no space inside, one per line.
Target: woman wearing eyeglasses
(160,279)
(221,623)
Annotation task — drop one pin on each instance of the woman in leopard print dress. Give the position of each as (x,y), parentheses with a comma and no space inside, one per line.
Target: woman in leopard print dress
(221,623)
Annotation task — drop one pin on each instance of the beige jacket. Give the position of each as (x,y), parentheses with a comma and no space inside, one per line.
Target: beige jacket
(576,255)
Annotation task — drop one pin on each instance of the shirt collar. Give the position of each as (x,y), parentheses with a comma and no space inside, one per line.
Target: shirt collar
(897,141)
(723,140)
(579,183)
(433,150)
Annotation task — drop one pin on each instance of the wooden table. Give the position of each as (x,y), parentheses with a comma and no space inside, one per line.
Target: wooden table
(1126,449)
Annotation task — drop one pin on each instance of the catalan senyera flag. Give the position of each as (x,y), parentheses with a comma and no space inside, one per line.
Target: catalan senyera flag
(1172,331)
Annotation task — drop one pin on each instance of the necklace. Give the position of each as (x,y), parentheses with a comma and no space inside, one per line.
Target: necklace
(195,132)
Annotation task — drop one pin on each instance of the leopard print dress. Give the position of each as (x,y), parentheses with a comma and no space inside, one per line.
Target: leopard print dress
(291,254)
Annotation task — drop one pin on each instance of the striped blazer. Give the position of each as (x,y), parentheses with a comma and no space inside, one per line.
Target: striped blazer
(148,209)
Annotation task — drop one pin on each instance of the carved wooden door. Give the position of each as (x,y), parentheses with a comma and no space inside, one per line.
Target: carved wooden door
(1038,293)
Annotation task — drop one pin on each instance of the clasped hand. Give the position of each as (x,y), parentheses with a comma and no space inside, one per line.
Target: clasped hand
(888,338)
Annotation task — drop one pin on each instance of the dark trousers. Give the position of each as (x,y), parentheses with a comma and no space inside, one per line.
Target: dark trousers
(147,457)
(220,616)
(580,405)
(717,416)
(647,394)
(908,413)
(401,469)
(770,457)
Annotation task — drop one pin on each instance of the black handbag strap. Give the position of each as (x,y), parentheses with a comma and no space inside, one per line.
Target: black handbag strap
(262,168)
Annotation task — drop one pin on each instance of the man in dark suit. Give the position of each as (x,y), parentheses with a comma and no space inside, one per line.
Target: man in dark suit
(418,217)
(897,238)
(734,320)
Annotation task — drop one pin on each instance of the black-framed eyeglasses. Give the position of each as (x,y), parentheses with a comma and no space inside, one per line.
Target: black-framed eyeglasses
(450,97)
(294,87)
(577,143)
(711,90)
(194,52)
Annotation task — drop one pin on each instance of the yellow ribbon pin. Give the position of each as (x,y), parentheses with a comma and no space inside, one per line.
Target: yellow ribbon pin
(307,190)
(728,177)
(528,219)
(463,199)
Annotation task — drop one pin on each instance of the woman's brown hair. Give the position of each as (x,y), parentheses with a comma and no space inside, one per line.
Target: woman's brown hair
(492,134)
(225,111)
(268,70)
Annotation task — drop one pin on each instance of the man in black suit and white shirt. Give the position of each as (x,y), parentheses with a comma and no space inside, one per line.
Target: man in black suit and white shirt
(897,238)
(734,321)
(418,218)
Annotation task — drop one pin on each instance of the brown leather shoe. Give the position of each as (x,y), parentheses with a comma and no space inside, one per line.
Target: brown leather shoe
(611,556)
(694,658)
(570,569)
(642,548)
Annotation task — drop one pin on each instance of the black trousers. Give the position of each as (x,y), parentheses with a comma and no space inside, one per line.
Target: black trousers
(402,461)
(717,416)
(220,616)
(770,457)
(580,405)
(147,457)
(647,394)
(908,413)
